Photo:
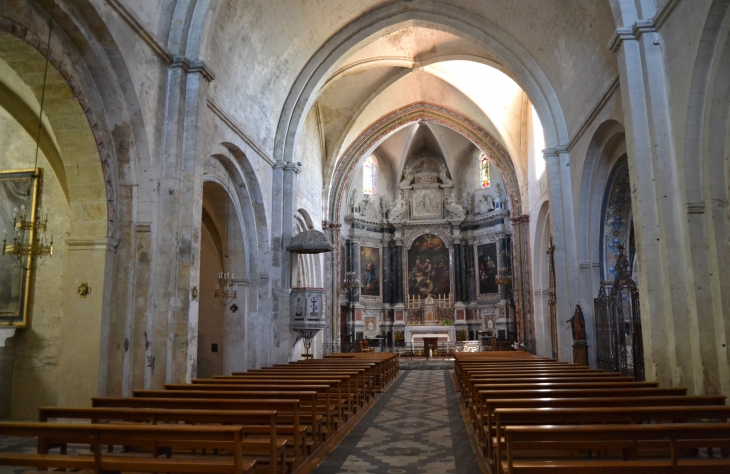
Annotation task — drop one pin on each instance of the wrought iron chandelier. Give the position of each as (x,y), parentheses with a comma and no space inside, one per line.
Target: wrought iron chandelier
(225,290)
(29,235)
(30,222)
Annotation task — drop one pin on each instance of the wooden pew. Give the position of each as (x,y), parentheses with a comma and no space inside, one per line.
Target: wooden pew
(628,439)
(326,404)
(505,417)
(341,387)
(573,384)
(308,413)
(597,402)
(226,438)
(349,381)
(288,410)
(261,424)
(481,417)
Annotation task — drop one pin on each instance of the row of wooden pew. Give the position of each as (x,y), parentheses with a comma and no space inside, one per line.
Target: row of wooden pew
(535,415)
(266,420)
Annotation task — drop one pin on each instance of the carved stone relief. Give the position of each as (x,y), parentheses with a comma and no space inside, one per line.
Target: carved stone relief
(426,203)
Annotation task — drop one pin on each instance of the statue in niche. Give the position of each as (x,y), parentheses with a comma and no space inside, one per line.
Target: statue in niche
(370,208)
(443,172)
(453,209)
(499,200)
(399,211)
(353,203)
(407,177)
(485,203)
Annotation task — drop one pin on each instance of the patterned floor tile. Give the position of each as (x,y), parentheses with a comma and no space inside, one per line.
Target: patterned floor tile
(414,428)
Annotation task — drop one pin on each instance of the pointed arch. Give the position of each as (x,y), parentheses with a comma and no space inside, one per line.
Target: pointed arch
(380,130)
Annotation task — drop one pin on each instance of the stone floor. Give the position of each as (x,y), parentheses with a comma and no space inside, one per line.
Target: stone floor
(415,427)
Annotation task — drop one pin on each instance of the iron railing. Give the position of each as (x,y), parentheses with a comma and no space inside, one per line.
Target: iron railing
(619,342)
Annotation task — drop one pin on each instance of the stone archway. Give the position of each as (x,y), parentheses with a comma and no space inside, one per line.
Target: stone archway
(381,129)
(78,192)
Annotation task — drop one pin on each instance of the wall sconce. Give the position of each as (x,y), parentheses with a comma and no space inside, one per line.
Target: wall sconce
(83,290)
(194,292)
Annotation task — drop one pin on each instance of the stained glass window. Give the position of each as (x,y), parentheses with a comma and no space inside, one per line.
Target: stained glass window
(368,176)
(484,175)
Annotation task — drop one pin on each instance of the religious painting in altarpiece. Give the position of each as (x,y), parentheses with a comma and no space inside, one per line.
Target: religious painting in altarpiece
(369,271)
(18,192)
(428,267)
(487,266)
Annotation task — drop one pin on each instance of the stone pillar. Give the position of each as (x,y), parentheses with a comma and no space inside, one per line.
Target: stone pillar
(464,272)
(457,273)
(397,256)
(505,249)
(171,324)
(680,315)
(521,279)
(387,283)
(470,273)
(565,255)
(334,280)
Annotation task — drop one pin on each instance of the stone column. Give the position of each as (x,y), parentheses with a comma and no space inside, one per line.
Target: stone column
(679,323)
(521,279)
(566,257)
(334,280)
(457,273)
(387,283)
(397,256)
(470,273)
(505,250)
(172,321)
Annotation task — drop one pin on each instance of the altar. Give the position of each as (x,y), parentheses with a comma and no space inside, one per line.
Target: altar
(419,333)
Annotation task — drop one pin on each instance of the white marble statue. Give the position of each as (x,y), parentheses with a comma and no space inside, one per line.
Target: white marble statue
(485,203)
(499,199)
(370,208)
(399,212)
(443,175)
(453,210)
(407,177)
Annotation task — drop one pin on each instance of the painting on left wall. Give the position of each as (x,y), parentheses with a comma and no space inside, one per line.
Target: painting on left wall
(18,191)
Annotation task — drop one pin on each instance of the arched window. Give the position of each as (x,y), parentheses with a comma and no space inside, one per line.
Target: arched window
(484,174)
(368,176)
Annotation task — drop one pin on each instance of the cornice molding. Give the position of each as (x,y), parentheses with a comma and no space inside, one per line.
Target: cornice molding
(91,244)
(228,120)
(650,25)
(192,67)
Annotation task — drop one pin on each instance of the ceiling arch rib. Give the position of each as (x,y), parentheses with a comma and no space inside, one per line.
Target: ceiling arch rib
(440,17)
(371,138)
(411,88)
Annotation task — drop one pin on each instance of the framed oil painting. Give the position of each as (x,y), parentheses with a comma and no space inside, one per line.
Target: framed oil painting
(428,267)
(487,268)
(14,279)
(369,271)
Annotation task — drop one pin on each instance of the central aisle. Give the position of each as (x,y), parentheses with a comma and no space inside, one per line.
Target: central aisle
(416,427)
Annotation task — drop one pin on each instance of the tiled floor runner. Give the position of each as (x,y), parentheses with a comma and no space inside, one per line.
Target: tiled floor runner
(416,427)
